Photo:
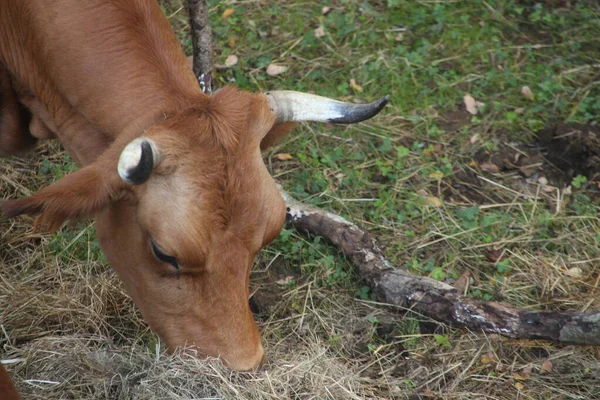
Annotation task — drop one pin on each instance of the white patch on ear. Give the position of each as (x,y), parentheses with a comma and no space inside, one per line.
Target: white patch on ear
(132,153)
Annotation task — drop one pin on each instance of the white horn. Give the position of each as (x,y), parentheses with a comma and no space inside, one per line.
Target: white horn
(290,106)
(137,160)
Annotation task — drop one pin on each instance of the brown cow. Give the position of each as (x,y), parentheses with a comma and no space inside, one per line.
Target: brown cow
(174,178)
(7,389)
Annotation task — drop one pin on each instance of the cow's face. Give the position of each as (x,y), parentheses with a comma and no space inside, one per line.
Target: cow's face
(184,244)
(182,212)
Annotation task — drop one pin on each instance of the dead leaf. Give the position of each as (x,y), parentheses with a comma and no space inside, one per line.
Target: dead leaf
(546,187)
(527,93)
(399,37)
(284,156)
(575,272)
(285,281)
(231,61)
(546,366)
(474,138)
(436,175)
(488,358)
(252,23)
(527,371)
(489,167)
(227,13)
(274,69)
(519,386)
(471,104)
(433,201)
(520,377)
(325,10)
(232,42)
(528,171)
(355,86)
(320,31)
(495,255)
(462,284)
(422,192)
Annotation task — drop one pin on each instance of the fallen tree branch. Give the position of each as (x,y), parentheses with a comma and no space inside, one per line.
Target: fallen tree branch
(392,285)
(202,43)
(434,299)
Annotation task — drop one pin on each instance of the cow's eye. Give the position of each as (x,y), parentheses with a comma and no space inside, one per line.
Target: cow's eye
(161,256)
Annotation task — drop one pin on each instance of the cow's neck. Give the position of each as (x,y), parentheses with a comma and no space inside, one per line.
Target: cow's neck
(99,77)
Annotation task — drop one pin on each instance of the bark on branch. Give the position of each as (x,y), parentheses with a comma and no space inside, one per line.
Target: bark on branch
(435,299)
(202,43)
(426,296)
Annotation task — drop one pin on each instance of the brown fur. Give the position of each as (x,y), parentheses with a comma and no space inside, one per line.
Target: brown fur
(276,133)
(14,138)
(99,73)
(7,389)
(78,195)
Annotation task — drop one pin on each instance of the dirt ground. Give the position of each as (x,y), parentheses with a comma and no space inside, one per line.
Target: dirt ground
(555,156)
(69,331)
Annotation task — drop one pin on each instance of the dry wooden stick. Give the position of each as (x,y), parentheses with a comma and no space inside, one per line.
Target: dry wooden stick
(435,299)
(202,43)
(426,296)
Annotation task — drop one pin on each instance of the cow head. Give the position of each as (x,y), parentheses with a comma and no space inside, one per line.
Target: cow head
(182,211)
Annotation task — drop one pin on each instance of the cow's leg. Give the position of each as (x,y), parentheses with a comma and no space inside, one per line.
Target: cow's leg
(41,124)
(15,138)
(83,142)
(7,389)
(39,129)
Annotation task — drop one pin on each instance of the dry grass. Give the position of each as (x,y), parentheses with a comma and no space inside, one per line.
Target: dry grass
(68,330)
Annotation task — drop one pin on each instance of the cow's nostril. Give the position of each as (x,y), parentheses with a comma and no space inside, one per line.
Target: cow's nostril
(254,305)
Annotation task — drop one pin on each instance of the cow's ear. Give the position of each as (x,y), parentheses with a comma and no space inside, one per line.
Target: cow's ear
(275,134)
(77,195)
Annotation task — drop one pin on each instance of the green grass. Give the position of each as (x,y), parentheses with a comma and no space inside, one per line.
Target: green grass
(389,174)
(383,174)
(410,176)
(427,56)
